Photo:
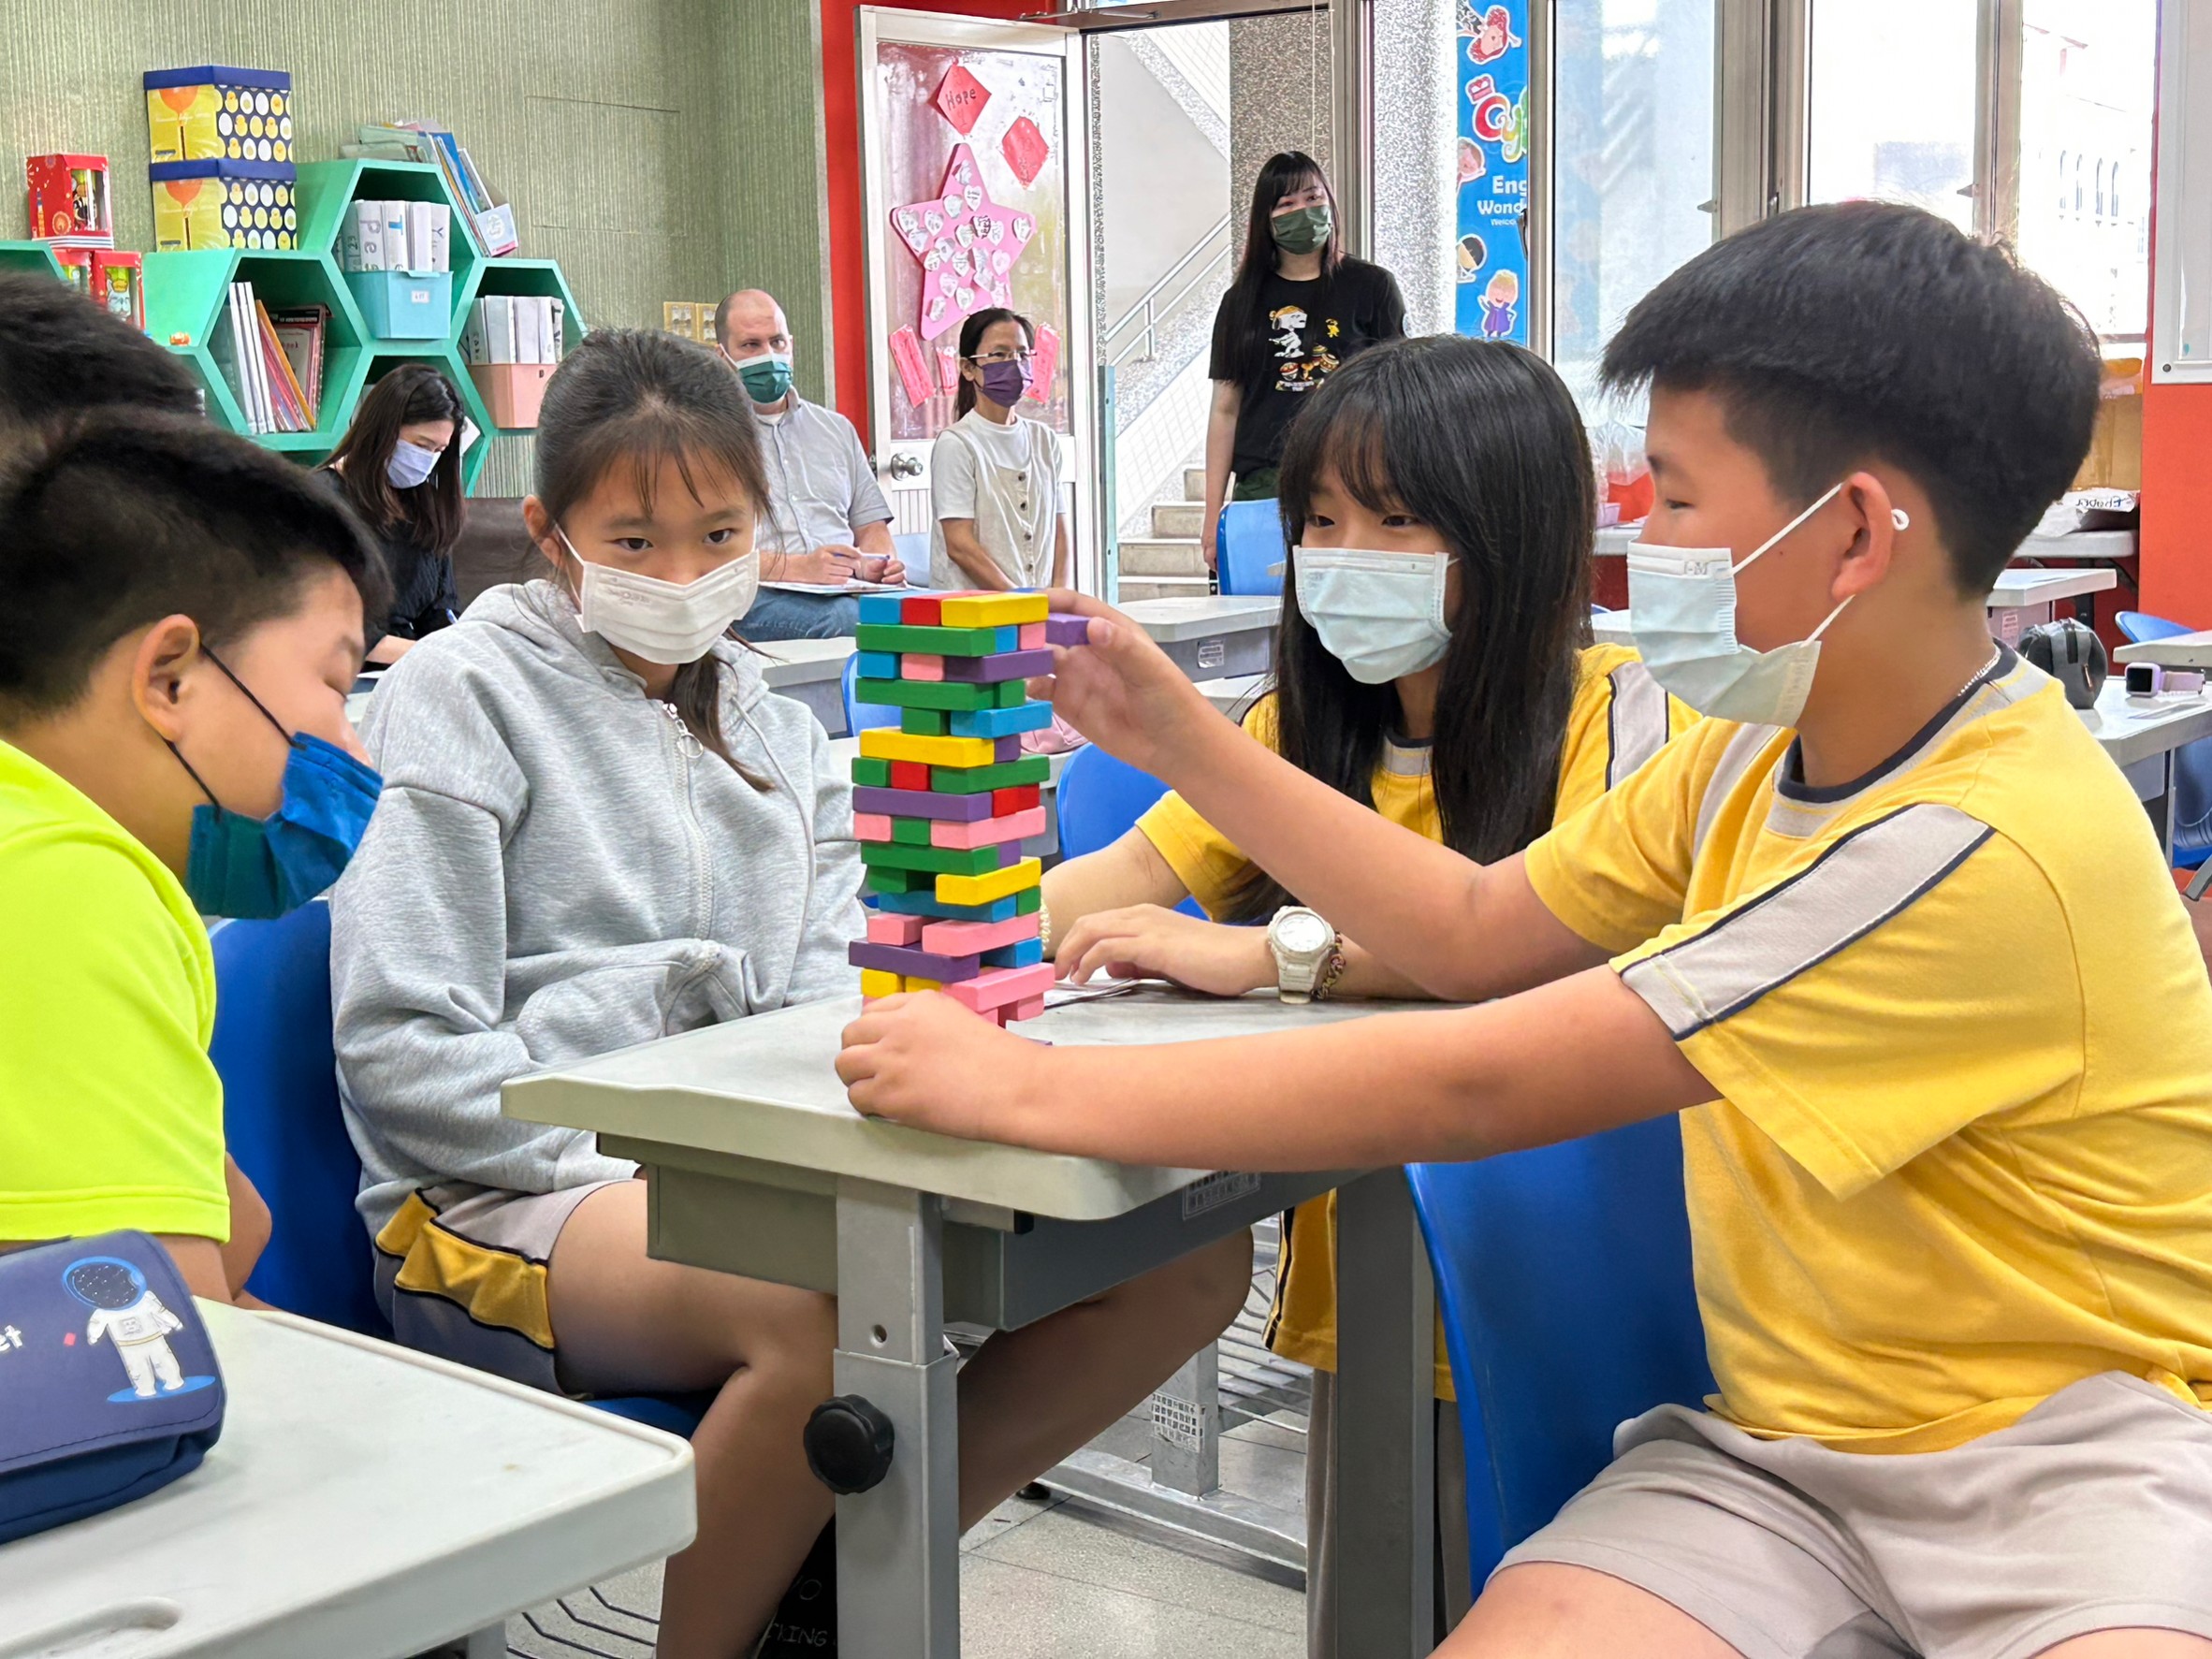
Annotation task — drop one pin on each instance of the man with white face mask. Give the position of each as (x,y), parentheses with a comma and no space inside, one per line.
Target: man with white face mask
(826,522)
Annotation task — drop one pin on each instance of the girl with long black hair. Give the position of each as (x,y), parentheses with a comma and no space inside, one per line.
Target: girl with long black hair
(1434,664)
(1297,308)
(399,466)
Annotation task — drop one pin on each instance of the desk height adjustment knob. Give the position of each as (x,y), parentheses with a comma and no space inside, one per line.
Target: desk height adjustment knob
(849,1444)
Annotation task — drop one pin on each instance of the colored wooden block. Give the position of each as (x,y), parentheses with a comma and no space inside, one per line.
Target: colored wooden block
(1022,954)
(1063,630)
(911,964)
(871,774)
(901,930)
(921,803)
(894,882)
(1028,901)
(926,723)
(999,722)
(975,780)
(919,665)
(946,642)
(957,861)
(1032,637)
(963,939)
(921,693)
(912,832)
(1005,803)
(875,826)
(992,610)
(925,904)
(876,666)
(875,983)
(1002,987)
(1001,665)
(1030,1010)
(931,751)
(923,613)
(982,831)
(1004,883)
(911,774)
(914,983)
(882,608)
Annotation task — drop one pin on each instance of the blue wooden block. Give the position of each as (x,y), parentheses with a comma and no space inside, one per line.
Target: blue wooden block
(925,904)
(1022,953)
(878,664)
(879,607)
(1009,639)
(1002,722)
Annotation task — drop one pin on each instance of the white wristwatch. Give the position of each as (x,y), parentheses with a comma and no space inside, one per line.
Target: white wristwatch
(1303,942)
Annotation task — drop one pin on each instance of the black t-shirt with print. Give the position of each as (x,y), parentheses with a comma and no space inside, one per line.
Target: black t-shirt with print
(1309,327)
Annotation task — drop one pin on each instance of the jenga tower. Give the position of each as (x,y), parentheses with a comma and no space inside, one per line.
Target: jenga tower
(940,805)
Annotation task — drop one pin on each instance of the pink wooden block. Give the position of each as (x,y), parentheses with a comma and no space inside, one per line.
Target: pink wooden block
(872,827)
(984,832)
(1002,987)
(921,665)
(1032,636)
(972,939)
(894,930)
(1026,1011)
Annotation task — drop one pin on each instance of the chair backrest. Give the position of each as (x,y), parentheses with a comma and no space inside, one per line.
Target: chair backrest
(2141,625)
(912,546)
(281,1119)
(1099,801)
(1251,548)
(860,717)
(1563,1273)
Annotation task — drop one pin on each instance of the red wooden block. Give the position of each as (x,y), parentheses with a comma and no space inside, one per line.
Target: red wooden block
(922,613)
(911,774)
(1004,801)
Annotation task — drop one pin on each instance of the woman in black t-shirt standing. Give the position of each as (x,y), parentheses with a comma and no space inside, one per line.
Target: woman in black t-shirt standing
(399,466)
(1297,310)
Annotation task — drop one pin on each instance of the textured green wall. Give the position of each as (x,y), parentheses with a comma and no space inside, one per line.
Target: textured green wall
(658,149)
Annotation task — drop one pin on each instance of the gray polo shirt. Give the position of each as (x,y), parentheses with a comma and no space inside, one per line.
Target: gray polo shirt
(824,490)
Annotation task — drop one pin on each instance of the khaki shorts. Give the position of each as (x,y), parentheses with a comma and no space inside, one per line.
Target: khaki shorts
(2092,1512)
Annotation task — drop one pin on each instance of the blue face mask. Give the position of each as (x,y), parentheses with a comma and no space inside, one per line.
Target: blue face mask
(1381,614)
(257,869)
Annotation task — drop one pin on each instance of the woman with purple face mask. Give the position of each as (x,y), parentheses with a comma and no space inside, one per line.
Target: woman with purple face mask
(995,476)
(399,466)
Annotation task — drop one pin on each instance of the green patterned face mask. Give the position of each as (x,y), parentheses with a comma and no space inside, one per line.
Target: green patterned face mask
(1303,229)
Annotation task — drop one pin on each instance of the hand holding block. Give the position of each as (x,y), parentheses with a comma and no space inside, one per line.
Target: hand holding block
(1002,987)
(1063,630)
(982,831)
(960,888)
(992,610)
(972,939)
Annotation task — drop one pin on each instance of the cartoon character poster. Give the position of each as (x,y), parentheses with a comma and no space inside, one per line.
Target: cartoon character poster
(1490,261)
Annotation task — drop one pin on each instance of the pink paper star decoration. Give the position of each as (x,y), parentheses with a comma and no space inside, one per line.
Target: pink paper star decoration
(966,245)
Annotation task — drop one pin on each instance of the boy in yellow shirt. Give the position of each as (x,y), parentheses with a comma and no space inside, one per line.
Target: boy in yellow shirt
(1889,931)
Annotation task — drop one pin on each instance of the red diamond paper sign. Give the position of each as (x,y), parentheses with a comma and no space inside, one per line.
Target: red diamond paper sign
(961,98)
(1026,151)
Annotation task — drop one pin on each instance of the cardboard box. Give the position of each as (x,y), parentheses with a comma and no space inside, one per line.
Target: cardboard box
(214,113)
(76,267)
(2115,460)
(69,204)
(119,285)
(224,204)
(512,391)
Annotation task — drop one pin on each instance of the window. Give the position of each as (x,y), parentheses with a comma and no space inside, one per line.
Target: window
(1891,97)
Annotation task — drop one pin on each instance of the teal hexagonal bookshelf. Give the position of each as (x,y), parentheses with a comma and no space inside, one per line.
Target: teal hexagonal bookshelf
(32,257)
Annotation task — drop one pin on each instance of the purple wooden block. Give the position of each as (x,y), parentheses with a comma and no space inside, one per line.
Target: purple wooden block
(1008,747)
(916,803)
(920,965)
(1063,630)
(1003,666)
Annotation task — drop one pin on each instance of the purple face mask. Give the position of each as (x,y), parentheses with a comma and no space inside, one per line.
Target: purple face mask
(1005,383)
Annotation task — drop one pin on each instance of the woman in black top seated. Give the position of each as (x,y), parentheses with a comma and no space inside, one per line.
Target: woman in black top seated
(1297,310)
(399,466)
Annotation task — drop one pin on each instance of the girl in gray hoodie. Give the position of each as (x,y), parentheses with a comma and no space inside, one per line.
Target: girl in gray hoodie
(599,826)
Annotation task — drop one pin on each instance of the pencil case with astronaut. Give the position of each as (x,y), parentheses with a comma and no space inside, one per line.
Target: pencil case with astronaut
(109,1388)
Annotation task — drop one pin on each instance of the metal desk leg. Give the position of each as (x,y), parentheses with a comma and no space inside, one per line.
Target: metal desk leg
(1385,1431)
(489,1643)
(1187,1426)
(898,1546)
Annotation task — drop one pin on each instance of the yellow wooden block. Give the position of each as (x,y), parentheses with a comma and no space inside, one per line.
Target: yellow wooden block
(982,890)
(994,610)
(888,743)
(875,982)
(916,984)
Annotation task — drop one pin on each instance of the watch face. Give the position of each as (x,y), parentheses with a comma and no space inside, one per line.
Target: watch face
(1302,935)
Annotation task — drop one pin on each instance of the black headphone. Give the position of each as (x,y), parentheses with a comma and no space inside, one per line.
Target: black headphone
(2071,654)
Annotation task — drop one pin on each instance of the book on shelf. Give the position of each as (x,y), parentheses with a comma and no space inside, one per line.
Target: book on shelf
(417,140)
(293,411)
(300,331)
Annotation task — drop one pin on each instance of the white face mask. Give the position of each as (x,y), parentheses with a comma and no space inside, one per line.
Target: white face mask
(411,464)
(1381,614)
(671,623)
(1681,608)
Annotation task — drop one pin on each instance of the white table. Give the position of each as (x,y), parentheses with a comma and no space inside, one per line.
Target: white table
(1614,541)
(2022,595)
(363,1502)
(813,672)
(759,1166)
(2176,650)
(1211,634)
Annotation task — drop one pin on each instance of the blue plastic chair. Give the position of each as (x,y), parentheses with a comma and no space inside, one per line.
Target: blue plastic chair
(912,546)
(2141,625)
(281,1121)
(1564,1274)
(2192,805)
(860,717)
(1100,800)
(1249,544)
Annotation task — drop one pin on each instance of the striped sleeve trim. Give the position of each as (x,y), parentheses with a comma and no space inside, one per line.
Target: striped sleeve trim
(1636,724)
(1865,879)
(1742,749)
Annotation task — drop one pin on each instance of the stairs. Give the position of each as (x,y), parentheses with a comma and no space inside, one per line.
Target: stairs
(1168,564)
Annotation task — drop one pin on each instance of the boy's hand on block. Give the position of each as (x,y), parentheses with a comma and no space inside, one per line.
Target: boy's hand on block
(1120,689)
(1145,941)
(926,1062)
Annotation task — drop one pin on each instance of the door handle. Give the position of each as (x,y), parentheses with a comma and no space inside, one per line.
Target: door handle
(904,466)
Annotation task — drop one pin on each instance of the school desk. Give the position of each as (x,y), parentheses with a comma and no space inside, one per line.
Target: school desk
(363,1502)
(1210,634)
(759,1166)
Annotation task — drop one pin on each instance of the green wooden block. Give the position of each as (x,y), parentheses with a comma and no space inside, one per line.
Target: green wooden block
(1028,901)
(889,879)
(1012,693)
(871,773)
(925,723)
(925,693)
(944,861)
(911,831)
(930,642)
(973,780)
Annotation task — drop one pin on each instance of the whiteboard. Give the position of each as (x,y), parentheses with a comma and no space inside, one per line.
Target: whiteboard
(2181,275)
